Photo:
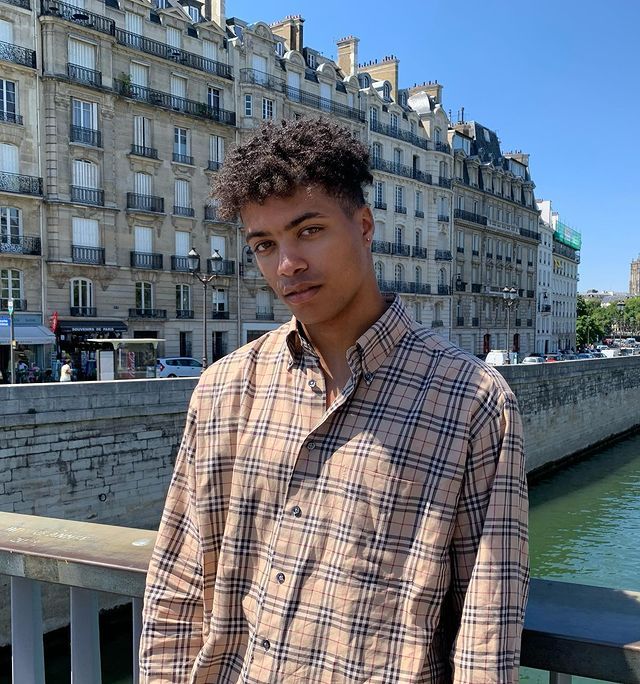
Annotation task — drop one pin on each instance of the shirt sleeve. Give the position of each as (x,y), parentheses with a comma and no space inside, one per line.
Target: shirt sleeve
(173,611)
(490,557)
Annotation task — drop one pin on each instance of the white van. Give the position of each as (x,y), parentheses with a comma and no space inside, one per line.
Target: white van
(497,357)
(611,352)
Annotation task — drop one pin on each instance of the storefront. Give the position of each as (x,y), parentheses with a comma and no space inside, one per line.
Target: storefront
(76,339)
(35,348)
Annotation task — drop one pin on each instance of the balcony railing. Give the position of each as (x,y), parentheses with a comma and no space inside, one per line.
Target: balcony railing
(220,315)
(475,322)
(565,251)
(476,287)
(184,313)
(83,311)
(10,117)
(183,211)
(25,4)
(534,235)
(18,304)
(173,54)
(444,182)
(470,216)
(86,136)
(145,202)
(460,250)
(460,286)
(211,214)
(296,95)
(442,147)
(400,249)
(79,15)
(15,182)
(518,322)
(400,170)
(142,151)
(214,165)
(399,134)
(529,322)
(379,205)
(147,313)
(18,55)
(381,247)
(173,102)
(400,209)
(475,252)
(404,287)
(443,255)
(444,218)
(183,158)
(419,252)
(436,323)
(180,263)
(530,293)
(81,74)
(459,321)
(87,195)
(569,628)
(20,244)
(419,213)
(225,268)
(444,290)
(264,314)
(146,260)
(545,308)
(87,255)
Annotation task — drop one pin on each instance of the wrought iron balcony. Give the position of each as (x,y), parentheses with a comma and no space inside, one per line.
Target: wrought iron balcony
(470,216)
(460,250)
(10,117)
(173,102)
(146,260)
(184,313)
(444,290)
(381,247)
(520,292)
(534,235)
(87,195)
(518,261)
(489,255)
(518,322)
(20,244)
(530,294)
(220,315)
(476,287)
(399,209)
(379,205)
(86,136)
(183,158)
(498,257)
(183,211)
(79,15)
(16,182)
(214,165)
(84,311)
(263,314)
(419,252)
(147,313)
(179,263)
(443,255)
(460,321)
(404,286)
(226,268)
(145,203)
(436,323)
(529,322)
(18,304)
(444,182)
(400,170)
(87,255)
(173,54)
(442,147)
(400,250)
(142,151)
(545,308)
(395,132)
(475,252)
(566,251)
(475,322)
(444,218)
(460,286)
(81,74)
(261,78)
(18,55)
(507,258)
(419,213)
(19,3)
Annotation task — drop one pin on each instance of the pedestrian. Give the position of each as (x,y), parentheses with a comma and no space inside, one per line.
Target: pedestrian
(349,501)
(66,371)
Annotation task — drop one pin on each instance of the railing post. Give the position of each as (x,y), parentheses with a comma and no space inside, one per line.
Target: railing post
(85,637)
(559,678)
(136,607)
(27,653)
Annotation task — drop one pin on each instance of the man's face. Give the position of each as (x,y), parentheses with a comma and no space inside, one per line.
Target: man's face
(315,256)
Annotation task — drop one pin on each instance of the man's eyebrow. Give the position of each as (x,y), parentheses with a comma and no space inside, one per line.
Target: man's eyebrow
(249,234)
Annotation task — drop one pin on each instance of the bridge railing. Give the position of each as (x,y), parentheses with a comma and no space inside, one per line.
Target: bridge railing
(570,629)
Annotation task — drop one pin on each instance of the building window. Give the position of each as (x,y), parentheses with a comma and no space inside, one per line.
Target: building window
(397,156)
(386,92)
(86,232)
(182,194)
(312,61)
(181,146)
(460,202)
(373,116)
(399,197)
(216,149)
(418,239)
(85,174)
(81,293)
(82,54)
(209,49)
(139,74)
(10,285)
(142,132)
(219,300)
(376,152)
(7,101)
(267,108)
(144,295)
(418,275)
(398,274)
(142,183)
(394,122)
(10,226)
(379,193)
(475,243)
(248,105)
(9,158)
(178,86)
(143,239)
(174,37)
(378,267)
(84,114)
(214,98)
(399,235)
(183,297)
(419,205)
(460,241)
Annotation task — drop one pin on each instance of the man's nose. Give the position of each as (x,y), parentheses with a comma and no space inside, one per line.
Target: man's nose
(290,262)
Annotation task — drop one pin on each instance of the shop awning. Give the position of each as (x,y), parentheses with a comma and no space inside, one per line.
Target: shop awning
(97,326)
(28,334)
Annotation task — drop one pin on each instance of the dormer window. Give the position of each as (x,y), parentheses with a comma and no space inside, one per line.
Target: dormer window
(194,13)
(312,61)
(364,81)
(280,49)
(386,91)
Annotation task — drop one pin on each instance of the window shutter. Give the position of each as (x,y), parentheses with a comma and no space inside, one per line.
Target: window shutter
(6,31)
(139,74)
(143,239)
(9,158)
(219,243)
(85,232)
(182,242)
(142,184)
(133,23)
(81,53)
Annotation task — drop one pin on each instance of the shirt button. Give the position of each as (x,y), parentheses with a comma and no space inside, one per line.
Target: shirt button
(311,446)
(368,377)
(280,578)
(266,644)
(297,511)
(312,383)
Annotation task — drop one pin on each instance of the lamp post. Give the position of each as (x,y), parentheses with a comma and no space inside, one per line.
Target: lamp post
(194,266)
(620,307)
(509,298)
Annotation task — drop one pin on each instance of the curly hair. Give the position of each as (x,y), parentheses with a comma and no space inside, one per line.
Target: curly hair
(282,157)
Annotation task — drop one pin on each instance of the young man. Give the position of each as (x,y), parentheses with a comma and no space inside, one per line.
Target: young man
(349,501)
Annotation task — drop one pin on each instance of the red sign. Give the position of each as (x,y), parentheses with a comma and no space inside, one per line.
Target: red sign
(53,322)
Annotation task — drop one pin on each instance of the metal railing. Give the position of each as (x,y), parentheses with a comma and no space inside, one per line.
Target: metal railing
(146,260)
(444,290)
(399,134)
(20,244)
(83,311)
(406,287)
(400,209)
(174,102)
(397,169)
(211,214)
(442,147)
(142,151)
(459,321)
(18,304)
(145,202)
(565,251)
(220,315)
(10,117)
(476,287)
(87,195)
(214,165)
(79,15)
(179,263)
(419,252)
(475,322)
(264,314)
(87,255)
(147,313)
(183,211)
(16,182)
(436,323)
(183,158)
(379,205)
(381,247)
(470,216)
(86,136)
(18,55)
(184,313)
(399,249)
(25,4)
(225,268)
(534,235)
(419,213)
(81,74)
(444,182)
(444,218)
(443,255)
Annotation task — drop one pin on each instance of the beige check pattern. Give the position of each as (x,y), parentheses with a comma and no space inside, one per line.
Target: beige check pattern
(380,541)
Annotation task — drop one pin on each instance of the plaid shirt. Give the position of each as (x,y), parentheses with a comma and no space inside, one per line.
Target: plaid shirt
(382,540)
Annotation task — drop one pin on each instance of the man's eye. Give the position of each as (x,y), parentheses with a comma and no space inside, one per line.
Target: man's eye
(310,230)
(261,247)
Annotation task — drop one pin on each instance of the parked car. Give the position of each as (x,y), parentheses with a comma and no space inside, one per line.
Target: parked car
(552,358)
(178,367)
(598,355)
(584,356)
(497,357)
(533,359)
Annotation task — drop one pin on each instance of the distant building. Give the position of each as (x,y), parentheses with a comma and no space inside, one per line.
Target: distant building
(634,279)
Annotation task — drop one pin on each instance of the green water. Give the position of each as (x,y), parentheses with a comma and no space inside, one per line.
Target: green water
(585,525)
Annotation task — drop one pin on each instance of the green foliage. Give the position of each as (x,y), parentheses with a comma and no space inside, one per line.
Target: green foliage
(596,322)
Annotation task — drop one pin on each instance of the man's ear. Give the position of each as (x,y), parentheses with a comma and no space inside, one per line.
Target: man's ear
(367,223)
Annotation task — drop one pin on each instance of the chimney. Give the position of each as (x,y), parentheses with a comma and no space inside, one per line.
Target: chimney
(291,29)
(348,55)
(214,11)
(385,70)
(433,90)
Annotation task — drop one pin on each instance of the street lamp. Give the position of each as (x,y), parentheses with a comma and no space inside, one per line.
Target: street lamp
(509,298)
(620,307)
(193,259)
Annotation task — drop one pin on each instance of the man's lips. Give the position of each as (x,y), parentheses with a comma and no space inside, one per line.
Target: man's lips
(300,293)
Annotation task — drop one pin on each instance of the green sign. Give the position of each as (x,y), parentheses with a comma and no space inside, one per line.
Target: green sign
(10,306)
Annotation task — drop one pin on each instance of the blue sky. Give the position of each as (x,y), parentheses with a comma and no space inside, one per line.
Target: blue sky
(559,79)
